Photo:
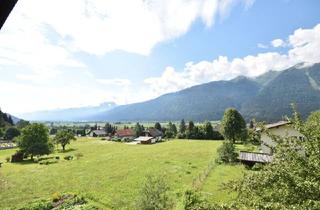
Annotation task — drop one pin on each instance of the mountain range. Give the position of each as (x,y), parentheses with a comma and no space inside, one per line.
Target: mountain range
(70,114)
(265,98)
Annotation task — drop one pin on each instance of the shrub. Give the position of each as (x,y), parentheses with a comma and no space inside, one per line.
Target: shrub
(68,157)
(56,197)
(57,157)
(154,195)
(227,153)
(79,155)
(17,157)
(7,159)
(192,200)
(47,162)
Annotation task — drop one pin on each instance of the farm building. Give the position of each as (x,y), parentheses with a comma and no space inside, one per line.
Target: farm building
(153,132)
(97,133)
(250,158)
(150,136)
(282,129)
(125,133)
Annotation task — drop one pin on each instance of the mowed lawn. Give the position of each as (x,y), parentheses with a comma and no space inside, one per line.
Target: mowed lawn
(111,173)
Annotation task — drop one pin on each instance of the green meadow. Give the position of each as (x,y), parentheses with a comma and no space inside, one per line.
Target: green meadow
(111,173)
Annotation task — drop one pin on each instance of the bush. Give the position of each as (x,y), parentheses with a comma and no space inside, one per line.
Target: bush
(194,201)
(79,155)
(227,153)
(154,195)
(47,162)
(7,159)
(56,197)
(17,157)
(68,157)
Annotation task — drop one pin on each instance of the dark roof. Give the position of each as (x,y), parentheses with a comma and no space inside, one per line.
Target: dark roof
(255,157)
(275,125)
(125,132)
(154,132)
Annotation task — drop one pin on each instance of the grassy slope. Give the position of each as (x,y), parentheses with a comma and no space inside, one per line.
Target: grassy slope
(111,173)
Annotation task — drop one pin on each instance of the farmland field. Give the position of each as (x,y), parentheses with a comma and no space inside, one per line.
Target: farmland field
(111,173)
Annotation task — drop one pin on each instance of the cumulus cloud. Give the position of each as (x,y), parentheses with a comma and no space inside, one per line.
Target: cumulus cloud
(262,46)
(99,26)
(304,47)
(277,43)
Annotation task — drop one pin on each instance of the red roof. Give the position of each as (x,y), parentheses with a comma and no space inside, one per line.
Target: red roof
(125,132)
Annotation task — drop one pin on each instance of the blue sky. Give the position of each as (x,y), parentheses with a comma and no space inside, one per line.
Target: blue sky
(129,51)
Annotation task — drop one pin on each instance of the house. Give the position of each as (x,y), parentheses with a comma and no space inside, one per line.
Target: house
(125,133)
(98,133)
(146,140)
(250,158)
(153,132)
(150,136)
(282,129)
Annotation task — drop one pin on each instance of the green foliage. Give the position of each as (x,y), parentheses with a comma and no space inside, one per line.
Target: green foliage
(11,133)
(193,200)
(233,126)
(292,180)
(1,132)
(157,125)
(171,130)
(34,140)
(64,137)
(154,194)
(63,202)
(109,128)
(22,124)
(182,127)
(138,129)
(227,153)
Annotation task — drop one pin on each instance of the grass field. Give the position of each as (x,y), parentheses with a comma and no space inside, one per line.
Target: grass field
(111,173)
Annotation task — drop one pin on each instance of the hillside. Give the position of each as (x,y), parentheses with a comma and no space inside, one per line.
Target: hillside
(6,119)
(295,85)
(202,102)
(267,97)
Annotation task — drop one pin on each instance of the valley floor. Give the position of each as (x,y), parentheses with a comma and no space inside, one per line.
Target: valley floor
(111,173)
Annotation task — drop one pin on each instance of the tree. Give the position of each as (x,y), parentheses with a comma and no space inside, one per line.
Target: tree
(22,124)
(227,153)
(34,140)
(292,180)
(11,133)
(182,127)
(64,137)
(233,126)
(157,126)
(138,129)
(109,128)
(190,126)
(1,132)
(208,130)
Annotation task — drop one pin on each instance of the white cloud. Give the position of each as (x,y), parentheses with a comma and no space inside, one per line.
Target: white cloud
(278,43)
(262,46)
(304,47)
(99,26)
